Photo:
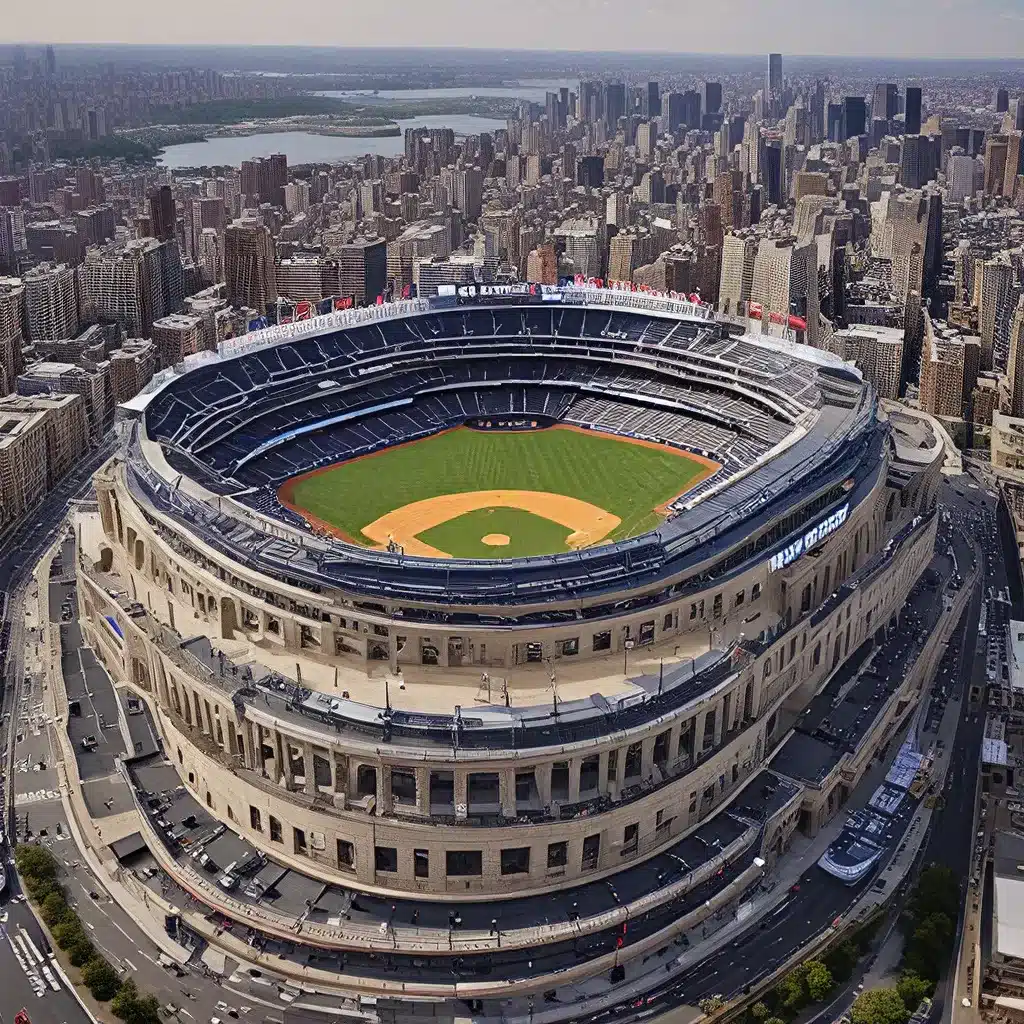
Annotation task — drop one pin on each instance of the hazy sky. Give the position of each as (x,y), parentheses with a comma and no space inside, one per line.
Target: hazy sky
(946,28)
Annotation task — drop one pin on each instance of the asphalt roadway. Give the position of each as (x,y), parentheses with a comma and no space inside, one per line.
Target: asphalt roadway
(34,808)
(821,898)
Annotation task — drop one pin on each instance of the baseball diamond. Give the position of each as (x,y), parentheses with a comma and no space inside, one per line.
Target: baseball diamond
(557,489)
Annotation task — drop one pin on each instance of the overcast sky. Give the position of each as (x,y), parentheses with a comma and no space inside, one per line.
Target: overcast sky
(910,28)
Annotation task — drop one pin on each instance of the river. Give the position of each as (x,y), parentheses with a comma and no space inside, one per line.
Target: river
(308,148)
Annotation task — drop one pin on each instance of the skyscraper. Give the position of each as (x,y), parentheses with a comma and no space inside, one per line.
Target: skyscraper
(363,269)
(912,110)
(712,97)
(162,214)
(883,101)
(775,74)
(12,294)
(855,116)
(691,109)
(249,264)
(614,104)
(265,177)
(1001,99)
(653,99)
(51,309)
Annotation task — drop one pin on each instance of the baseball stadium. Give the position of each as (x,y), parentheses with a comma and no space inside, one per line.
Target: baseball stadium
(475,629)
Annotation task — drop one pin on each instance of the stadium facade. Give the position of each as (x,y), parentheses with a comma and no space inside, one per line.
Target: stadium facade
(350,715)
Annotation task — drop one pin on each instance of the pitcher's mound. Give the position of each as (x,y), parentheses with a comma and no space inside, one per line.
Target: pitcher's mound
(495,540)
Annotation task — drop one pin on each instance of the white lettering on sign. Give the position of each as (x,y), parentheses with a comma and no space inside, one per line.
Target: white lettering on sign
(814,536)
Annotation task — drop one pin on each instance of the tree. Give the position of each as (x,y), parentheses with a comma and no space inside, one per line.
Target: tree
(929,947)
(68,932)
(819,981)
(133,1008)
(54,909)
(842,959)
(759,1011)
(792,990)
(101,979)
(912,989)
(710,1004)
(35,864)
(879,1006)
(774,1020)
(80,952)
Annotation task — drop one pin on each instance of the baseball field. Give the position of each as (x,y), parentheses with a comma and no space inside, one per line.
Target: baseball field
(466,493)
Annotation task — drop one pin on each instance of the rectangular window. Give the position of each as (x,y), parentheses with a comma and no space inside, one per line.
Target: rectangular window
(630,838)
(603,641)
(755,591)
(385,858)
(515,861)
(591,852)
(740,596)
(558,854)
(346,854)
(459,863)
(421,863)
(613,765)
(716,608)
(298,840)
(276,834)
(255,819)
(571,647)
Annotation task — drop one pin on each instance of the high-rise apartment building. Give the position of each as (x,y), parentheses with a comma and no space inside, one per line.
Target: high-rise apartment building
(176,336)
(995,164)
(41,438)
(265,178)
(131,368)
(469,190)
(91,382)
(960,178)
(249,270)
(131,285)
(1014,162)
(51,306)
(12,296)
(582,245)
(163,217)
(876,351)
(1015,365)
(948,369)
(738,255)
(542,265)
(363,269)
(995,308)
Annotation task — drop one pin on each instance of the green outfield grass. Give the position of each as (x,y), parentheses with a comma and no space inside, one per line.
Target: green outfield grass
(625,479)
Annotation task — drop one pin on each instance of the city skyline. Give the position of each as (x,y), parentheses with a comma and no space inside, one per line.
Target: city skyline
(992,29)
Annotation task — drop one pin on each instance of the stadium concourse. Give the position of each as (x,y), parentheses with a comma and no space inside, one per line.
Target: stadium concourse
(404,777)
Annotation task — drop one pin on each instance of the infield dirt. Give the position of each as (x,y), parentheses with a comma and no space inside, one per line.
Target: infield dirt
(452,469)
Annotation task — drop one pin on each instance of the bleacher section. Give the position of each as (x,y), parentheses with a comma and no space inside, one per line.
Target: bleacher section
(266,415)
